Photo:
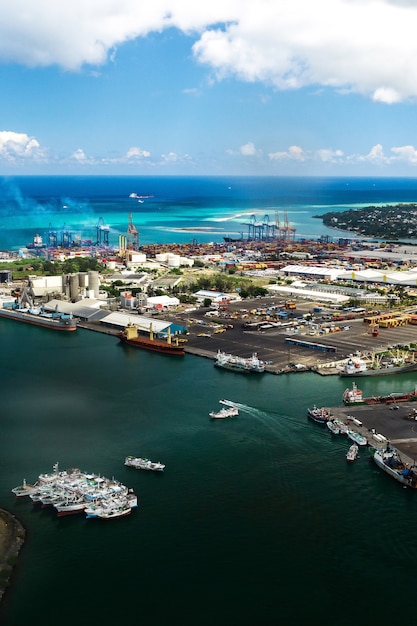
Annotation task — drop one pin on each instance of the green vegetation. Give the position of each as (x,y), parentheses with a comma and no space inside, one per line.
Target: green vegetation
(22,268)
(388,221)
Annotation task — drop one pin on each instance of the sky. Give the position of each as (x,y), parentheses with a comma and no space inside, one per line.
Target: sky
(225,87)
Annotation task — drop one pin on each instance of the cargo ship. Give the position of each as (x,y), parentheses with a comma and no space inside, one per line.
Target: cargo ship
(354,396)
(39,317)
(358,367)
(131,337)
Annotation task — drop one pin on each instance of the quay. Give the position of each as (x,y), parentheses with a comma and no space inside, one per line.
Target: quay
(382,423)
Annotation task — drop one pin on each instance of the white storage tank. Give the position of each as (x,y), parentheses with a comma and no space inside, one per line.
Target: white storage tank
(174,260)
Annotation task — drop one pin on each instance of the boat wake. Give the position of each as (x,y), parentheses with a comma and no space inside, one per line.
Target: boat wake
(272,420)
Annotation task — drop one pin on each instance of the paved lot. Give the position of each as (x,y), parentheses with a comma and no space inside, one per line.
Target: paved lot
(392,423)
(271,346)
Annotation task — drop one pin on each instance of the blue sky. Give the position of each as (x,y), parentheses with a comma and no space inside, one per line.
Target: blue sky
(276,87)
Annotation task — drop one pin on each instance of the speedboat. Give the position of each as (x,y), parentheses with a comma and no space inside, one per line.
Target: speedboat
(232,411)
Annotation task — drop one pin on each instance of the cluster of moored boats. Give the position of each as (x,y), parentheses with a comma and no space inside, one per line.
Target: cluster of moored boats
(73,491)
(387,458)
(338,427)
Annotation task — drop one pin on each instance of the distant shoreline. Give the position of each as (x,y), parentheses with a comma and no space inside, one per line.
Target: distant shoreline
(12,537)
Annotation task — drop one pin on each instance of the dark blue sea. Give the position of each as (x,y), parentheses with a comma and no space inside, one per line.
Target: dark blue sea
(181,209)
(256,521)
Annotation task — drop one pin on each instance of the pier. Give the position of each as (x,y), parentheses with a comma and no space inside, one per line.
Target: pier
(381,423)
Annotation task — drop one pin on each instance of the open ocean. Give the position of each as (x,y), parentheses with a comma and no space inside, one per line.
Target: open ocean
(257,520)
(208,208)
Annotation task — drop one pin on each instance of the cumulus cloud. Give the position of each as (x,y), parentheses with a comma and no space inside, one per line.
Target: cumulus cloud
(18,146)
(294,153)
(363,46)
(137,153)
(248,149)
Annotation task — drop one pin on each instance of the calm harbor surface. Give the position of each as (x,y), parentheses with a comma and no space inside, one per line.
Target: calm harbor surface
(256,520)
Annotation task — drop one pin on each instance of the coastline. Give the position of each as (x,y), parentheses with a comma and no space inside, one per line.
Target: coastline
(12,536)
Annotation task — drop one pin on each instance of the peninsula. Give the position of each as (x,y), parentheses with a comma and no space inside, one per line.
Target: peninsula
(392,222)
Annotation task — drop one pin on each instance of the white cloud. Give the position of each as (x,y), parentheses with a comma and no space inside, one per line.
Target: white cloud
(364,46)
(294,153)
(248,149)
(137,153)
(329,156)
(81,158)
(17,146)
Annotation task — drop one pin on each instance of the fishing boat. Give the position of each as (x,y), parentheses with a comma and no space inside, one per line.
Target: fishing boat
(319,415)
(352,453)
(130,336)
(239,364)
(144,464)
(343,428)
(24,489)
(333,427)
(224,413)
(357,438)
(391,463)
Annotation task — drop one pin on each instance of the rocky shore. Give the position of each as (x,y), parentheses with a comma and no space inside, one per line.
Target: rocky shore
(12,536)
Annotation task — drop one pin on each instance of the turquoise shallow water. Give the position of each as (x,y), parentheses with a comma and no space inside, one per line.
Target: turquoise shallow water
(181,209)
(256,520)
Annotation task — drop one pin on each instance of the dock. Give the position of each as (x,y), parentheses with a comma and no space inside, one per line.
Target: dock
(381,423)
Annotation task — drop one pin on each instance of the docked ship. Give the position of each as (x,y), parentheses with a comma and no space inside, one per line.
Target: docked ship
(391,463)
(239,364)
(130,336)
(319,415)
(358,367)
(354,396)
(23,310)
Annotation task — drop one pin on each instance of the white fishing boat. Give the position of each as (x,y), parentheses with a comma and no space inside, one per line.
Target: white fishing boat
(333,427)
(352,453)
(357,438)
(224,413)
(391,463)
(24,489)
(343,428)
(144,464)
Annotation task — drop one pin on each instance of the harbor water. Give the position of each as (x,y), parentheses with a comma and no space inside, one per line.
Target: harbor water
(257,520)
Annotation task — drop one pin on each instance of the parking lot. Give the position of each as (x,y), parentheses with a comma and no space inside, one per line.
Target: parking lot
(270,343)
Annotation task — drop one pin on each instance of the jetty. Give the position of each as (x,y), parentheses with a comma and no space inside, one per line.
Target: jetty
(380,424)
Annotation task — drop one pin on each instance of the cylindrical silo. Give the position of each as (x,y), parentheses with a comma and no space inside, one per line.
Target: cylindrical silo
(74,286)
(93,284)
(82,277)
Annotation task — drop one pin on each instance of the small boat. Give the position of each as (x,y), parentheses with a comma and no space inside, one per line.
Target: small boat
(343,428)
(333,427)
(391,463)
(357,438)
(224,413)
(352,453)
(25,489)
(319,415)
(144,464)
